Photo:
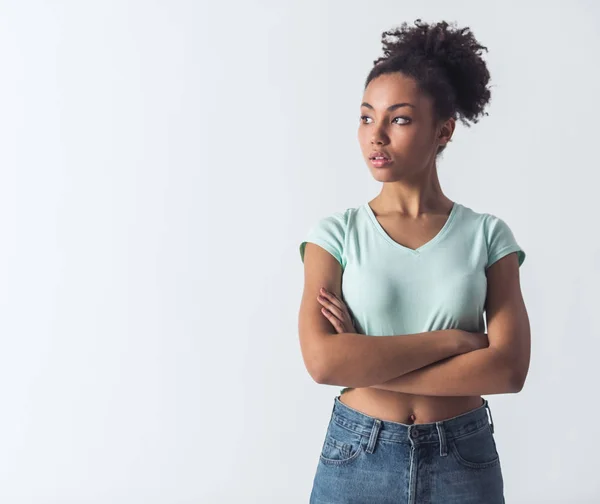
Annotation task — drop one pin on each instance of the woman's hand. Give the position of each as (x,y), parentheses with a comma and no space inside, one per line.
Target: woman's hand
(336,311)
(470,341)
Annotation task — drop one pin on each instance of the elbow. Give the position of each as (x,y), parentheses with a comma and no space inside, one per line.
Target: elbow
(322,375)
(317,368)
(316,373)
(516,381)
(322,364)
(512,372)
(519,374)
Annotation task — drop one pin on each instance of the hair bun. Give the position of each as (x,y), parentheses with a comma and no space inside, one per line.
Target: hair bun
(446,62)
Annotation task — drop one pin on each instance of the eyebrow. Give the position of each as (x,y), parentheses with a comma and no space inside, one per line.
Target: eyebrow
(391,107)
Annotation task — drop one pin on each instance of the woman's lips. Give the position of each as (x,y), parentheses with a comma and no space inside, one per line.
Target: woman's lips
(378,163)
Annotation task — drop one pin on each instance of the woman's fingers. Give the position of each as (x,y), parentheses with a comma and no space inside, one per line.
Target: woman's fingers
(333,308)
(332,298)
(338,309)
(337,325)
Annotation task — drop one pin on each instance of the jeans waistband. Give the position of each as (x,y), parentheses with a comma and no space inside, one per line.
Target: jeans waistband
(434,432)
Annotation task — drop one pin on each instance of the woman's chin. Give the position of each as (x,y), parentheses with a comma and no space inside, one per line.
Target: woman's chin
(385,175)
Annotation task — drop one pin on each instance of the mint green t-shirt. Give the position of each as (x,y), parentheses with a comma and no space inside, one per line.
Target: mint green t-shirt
(391,290)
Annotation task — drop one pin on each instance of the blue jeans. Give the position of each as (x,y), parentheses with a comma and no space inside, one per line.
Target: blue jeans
(365,460)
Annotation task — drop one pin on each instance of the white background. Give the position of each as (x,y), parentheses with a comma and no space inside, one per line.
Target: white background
(161,163)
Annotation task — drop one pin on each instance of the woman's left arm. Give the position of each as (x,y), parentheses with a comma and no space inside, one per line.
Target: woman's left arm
(500,368)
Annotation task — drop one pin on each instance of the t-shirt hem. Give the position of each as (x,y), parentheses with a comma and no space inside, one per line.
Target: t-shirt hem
(505,251)
(322,244)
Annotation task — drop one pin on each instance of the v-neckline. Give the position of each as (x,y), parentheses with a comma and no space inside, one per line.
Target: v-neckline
(420,249)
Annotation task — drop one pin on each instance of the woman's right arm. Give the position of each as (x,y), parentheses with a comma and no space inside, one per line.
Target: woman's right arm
(359,360)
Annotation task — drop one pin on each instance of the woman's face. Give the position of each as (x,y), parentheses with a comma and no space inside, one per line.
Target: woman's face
(405,133)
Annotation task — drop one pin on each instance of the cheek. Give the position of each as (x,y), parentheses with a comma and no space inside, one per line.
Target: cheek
(409,136)
(412,143)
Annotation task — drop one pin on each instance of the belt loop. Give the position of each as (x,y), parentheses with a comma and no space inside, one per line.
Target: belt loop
(490,412)
(373,437)
(442,435)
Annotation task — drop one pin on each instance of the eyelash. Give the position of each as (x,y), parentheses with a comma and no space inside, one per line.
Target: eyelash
(399,117)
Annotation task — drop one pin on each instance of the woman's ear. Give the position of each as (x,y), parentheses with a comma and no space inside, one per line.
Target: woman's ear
(446,131)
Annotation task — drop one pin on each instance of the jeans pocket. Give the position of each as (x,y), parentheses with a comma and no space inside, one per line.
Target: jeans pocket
(476,450)
(341,446)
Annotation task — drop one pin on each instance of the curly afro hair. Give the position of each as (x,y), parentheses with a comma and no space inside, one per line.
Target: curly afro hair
(446,63)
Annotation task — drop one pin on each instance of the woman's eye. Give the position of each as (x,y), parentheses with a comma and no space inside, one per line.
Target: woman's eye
(407,119)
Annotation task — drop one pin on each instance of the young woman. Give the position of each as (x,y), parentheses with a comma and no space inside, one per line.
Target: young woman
(418,271)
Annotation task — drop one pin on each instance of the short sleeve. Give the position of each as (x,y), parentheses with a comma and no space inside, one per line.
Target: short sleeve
(501,241)
(328,233)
